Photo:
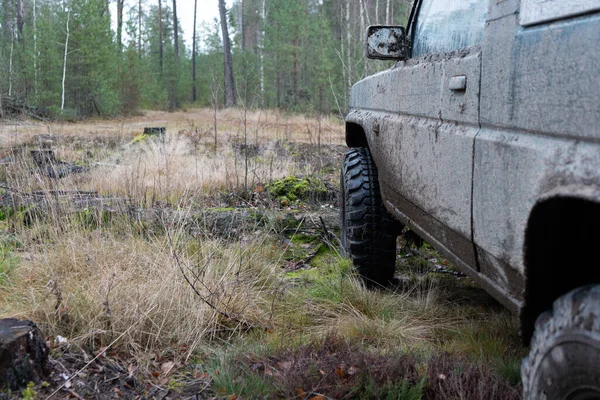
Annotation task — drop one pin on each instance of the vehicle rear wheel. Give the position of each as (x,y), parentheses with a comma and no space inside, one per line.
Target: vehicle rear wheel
(564,362)
(368,231)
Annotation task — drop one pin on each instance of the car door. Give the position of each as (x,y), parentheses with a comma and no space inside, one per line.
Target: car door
(426,116)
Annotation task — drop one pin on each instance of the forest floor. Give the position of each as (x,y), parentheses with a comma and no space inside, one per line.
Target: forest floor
(168,268)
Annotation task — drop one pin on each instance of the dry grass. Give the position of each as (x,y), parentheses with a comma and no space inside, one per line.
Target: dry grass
(260,125)
(103,278)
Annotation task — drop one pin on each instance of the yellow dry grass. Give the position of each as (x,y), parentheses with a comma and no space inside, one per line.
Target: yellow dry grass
(259,125)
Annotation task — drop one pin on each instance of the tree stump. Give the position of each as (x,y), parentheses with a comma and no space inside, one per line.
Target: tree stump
(44,158)
(23,354)
(155,131)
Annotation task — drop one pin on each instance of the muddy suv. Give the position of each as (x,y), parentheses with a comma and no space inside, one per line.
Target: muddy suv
(484,139)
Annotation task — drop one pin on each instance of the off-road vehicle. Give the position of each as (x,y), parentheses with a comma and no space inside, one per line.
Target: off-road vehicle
(484,139)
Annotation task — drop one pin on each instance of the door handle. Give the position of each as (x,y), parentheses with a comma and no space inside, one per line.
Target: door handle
(458,82)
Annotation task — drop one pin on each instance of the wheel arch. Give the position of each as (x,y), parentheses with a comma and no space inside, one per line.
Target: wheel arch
(355,135)
(562,232)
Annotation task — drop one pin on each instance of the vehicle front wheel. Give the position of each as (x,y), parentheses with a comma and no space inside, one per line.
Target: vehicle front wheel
(564,362)
(368,231)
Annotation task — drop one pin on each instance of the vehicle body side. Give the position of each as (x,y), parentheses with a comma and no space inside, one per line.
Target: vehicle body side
(468,169)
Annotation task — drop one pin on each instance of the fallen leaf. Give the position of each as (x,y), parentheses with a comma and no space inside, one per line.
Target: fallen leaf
(301,393)
(156,374)
(340,372)
(442,377)
(318,397)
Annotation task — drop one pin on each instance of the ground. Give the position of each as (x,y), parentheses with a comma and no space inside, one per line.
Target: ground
(180,267)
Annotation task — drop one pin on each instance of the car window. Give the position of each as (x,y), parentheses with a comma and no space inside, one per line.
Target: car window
(447,25)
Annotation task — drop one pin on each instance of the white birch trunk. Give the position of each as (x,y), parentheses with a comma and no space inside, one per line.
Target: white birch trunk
(10,62)
(263,17)
(349,45)
(35,52)
(376,12)
(363,28)
(361,4)
(387,12)
(64,77)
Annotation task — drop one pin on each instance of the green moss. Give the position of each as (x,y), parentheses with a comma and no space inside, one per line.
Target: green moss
(292,189)
(303,239)
(29,393)
(140,138)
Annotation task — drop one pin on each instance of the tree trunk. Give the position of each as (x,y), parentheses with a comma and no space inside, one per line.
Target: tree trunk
(6,29)
(176,30)
(376,12)
(229,82)
(194,54)
(120,4)
(387,12)
(296,70)
(349,47)
(361,4)
(263,17)
(24,354)
(20,18)
(10,63)
(244,4)
(64,77)
(160,36)
(140,29)
(35,52)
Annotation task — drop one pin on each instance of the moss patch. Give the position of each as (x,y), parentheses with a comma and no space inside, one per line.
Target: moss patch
(293,188)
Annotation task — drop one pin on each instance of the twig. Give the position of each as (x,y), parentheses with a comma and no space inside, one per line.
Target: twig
(245,324)
(296,265)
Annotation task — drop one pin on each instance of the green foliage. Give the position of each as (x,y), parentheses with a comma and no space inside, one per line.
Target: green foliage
(292,55)
(8,263)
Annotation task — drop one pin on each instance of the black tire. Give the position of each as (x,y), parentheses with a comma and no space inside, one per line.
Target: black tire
(368,231)
(564,362)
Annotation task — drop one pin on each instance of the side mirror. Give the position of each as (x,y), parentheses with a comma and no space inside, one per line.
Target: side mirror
(386,43)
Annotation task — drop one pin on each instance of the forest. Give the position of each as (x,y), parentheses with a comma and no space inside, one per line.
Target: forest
(76,59)
(170,215)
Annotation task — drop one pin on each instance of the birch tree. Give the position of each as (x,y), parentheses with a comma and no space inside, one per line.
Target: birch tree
(64,77)
(140,13)
(35,51)
(194,46)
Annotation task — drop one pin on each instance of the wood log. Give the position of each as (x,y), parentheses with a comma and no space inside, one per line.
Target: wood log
(23,354)
(44,158)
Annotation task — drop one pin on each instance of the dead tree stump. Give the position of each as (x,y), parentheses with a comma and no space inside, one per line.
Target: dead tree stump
(44,158)
(155,131)
(23,354)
